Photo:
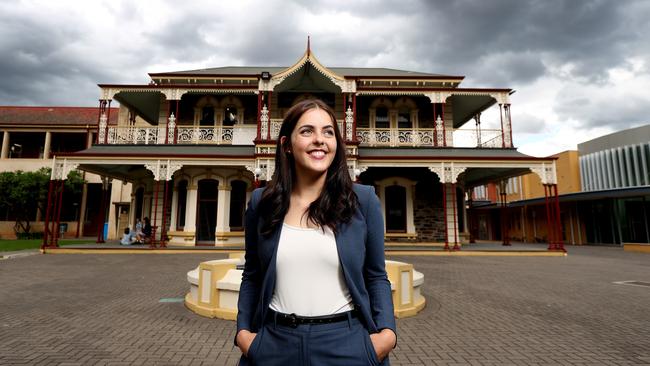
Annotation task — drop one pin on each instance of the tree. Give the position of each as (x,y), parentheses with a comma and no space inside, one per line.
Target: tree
(23,193)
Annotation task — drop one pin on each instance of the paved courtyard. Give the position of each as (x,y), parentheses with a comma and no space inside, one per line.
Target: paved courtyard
(107,309)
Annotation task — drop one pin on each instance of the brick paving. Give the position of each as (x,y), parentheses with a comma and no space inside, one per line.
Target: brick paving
(106,310)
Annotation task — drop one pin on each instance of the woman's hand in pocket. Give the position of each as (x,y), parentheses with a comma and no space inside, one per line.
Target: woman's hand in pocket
(383,342)
(244,340)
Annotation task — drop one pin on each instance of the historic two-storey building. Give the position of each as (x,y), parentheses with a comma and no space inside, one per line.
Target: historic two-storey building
(193,145)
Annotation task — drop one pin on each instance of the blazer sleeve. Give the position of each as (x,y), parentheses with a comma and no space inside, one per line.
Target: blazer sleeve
(251,283)
(374,270)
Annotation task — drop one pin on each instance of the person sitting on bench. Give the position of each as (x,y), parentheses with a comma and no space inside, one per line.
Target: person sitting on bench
(146,231)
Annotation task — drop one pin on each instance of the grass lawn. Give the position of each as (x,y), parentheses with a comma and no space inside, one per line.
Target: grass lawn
(14,245)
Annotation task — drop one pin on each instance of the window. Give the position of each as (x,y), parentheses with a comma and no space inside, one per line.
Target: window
(230,116)
(207,116)
(404,119)
(381,118)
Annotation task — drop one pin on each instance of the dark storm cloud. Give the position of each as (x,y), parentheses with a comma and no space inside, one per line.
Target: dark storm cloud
(591,35)
(53,59)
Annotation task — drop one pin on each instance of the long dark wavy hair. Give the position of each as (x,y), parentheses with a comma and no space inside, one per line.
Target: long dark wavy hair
(337,201)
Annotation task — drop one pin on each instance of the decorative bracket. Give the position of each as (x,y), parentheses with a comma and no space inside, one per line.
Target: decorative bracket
(448,172)
(546,173)
(61,169)
(438,96)
(163,170)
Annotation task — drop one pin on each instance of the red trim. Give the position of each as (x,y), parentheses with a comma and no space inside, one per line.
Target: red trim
(414,77)
(58,214)
(444,129)
(174,86)
(178,102)
(108,118)
(455,203)
(169,108)
(198,76)
(345,105)
(155,216)
(504,218)
(163,229)
(444,210)
(559,243)
(99,116)
(102,218)
(380,88)
(549,228)
(354,119)
(347,76)
(76,235)
(47,215)
(435,127)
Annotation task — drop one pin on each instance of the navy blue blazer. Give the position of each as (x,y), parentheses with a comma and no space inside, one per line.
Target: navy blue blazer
(360,245)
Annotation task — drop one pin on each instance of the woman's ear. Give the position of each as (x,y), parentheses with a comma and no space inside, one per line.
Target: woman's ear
(283,143)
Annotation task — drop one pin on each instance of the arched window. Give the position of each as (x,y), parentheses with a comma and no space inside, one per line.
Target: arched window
(205,111)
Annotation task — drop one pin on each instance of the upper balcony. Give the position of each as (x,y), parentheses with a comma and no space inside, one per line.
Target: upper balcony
(246,135)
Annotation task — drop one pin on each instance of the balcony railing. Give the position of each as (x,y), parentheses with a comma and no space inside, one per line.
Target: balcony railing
(429,137)
(135,135)
(220,135)
(245,135)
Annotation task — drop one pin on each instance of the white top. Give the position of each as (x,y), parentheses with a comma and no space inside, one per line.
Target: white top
(309,278)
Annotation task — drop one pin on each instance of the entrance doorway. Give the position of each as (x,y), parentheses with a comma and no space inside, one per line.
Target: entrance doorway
(206,218)
(395,209)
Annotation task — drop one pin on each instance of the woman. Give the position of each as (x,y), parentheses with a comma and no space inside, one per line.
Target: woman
(314,288)
(139,236)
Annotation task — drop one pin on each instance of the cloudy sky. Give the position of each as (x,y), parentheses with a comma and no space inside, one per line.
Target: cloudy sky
(580,68)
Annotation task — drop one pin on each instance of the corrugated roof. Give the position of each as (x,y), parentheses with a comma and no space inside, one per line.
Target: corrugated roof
(343,71)
(61,116)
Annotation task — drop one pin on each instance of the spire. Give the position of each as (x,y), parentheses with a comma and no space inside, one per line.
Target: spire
(308,47)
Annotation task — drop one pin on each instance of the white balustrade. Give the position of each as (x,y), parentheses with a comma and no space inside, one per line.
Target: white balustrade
(219,135)
(245,135)
(427,137)
(134,135)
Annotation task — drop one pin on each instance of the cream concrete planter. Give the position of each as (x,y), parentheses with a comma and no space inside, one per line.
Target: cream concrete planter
(214,288)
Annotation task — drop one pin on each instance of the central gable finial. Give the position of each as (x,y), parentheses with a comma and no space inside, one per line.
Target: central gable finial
(308,46)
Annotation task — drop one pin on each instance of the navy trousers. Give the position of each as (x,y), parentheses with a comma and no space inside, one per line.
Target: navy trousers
(342,343)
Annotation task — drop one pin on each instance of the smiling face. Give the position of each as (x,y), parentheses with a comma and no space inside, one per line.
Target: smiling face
(312,143)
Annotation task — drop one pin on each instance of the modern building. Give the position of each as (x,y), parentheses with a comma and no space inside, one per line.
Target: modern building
(192,145)
(603,191)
